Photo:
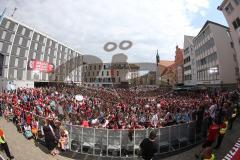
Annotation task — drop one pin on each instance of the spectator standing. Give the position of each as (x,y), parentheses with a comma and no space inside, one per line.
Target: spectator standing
(148,146)
(50,139)
(232,115)
(222,132)
(211,137)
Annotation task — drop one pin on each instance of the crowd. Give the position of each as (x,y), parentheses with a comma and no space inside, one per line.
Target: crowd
(107,108)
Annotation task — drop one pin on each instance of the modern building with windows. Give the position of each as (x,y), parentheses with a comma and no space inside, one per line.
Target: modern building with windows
(27,55)
(215,57)
(231,11)
(189,64)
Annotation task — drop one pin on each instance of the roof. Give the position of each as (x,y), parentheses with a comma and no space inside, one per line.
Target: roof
(166,63)
(210,22)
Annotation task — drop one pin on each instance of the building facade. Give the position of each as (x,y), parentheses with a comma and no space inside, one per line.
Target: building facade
(215,57)
(110,74)
(173,74)
(189,65)
(231,11)
(29,55)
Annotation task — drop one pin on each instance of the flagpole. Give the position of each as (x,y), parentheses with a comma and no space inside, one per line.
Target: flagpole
(14,12)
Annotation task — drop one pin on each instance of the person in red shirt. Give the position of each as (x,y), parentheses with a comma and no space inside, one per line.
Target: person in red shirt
(212,134)
(213,131)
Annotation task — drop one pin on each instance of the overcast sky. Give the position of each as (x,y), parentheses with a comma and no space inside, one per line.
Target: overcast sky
(86,25)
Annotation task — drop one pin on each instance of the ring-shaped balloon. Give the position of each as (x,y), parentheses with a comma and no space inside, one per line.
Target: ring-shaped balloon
(110,46)
(124,45)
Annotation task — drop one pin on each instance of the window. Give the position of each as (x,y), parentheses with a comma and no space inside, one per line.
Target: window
(4,34)
(38,37)
(16,62)
(237,2)
(18,51)
(236,23)
(23,31)
(117,73)
(6,60)
(107,73)
(102,73)
(15,73)
(7,24)
(229,8)
(20,40)
(35,46)
(1,45)
(1,64)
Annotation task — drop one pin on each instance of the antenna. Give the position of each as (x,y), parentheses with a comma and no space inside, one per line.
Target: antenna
(14,12)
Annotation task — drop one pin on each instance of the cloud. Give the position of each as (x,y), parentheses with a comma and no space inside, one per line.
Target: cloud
(87,25)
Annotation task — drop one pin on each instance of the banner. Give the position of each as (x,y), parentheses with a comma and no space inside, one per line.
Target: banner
(234,153)
(41,66)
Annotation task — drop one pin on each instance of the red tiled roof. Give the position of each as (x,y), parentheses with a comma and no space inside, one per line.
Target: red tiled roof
(166,63)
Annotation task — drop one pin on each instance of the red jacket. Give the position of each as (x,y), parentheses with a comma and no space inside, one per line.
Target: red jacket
(212,132)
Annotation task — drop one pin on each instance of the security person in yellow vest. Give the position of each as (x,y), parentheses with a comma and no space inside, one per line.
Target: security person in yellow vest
(208,154)
(4,145)
(222,131)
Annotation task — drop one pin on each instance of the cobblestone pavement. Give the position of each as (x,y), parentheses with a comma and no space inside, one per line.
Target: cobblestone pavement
(24,149)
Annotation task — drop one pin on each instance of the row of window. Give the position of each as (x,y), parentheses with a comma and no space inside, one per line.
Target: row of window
(37,37)
(186,51)
(206,46)
(187,68)
(1,64)
(229,8)
(187,77)
(100,80)
(186,60)
(97,73)
(208,59)
(202,36)
(236,23)
(207,74)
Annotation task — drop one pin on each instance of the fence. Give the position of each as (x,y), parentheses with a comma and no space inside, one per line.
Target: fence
(116,143)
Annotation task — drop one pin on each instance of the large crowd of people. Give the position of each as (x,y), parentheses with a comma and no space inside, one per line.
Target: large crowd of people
(109,108)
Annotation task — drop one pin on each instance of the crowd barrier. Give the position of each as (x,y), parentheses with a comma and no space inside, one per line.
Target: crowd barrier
(116,143)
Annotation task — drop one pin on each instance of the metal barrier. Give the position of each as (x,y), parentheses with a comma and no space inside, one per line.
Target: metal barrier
(117,143)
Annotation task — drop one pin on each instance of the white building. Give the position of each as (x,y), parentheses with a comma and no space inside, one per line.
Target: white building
(231,11)
(189,64)
(28,55)
(215,57)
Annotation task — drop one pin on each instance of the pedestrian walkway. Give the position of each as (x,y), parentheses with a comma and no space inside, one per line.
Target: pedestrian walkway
(23,149)
(228,142)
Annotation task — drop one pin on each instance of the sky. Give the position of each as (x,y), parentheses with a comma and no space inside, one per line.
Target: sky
(87,25)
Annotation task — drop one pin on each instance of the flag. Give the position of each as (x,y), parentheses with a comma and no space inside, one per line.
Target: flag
(2,15)
(157,58)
